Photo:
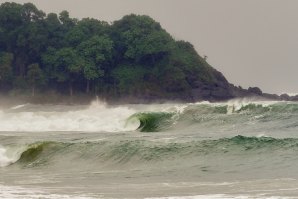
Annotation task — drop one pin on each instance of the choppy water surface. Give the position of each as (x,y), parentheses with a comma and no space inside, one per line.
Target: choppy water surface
(239,149)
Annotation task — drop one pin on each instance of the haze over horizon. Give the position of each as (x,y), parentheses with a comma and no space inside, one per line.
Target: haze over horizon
(252,42)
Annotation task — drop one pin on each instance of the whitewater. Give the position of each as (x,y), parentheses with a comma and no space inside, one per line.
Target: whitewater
(239,149)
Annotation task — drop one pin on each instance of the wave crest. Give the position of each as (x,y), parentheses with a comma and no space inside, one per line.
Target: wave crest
(119,152)
(98,117)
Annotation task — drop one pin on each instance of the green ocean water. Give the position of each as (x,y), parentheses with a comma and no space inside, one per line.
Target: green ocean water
(237,149)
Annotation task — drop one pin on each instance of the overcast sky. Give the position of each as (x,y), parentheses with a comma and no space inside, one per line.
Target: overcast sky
(252,42)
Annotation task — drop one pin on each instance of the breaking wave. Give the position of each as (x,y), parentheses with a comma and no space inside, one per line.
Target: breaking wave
(8,157)
(123,151)
(96,117)
(154,121)
(206,115)
(99,117)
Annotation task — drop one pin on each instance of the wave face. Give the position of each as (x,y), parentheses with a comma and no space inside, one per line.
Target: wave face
(142,151)
(154,121)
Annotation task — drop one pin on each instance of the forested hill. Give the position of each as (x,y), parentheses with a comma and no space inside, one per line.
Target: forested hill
(133,57)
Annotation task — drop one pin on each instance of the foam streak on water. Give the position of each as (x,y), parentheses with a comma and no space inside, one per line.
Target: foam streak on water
(16,192)
(222,196)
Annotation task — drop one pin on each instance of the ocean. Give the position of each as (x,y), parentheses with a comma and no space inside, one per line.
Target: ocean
(239,149)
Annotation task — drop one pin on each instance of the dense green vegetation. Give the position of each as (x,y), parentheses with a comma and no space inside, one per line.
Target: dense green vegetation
(133,56)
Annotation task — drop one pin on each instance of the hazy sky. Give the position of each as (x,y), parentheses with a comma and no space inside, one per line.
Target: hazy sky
(252,42)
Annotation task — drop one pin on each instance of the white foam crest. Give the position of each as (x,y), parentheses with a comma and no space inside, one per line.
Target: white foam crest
(97,117)
(18,106)
(237,104)
(223,196)
(6,158)
(176,108)
(16,192)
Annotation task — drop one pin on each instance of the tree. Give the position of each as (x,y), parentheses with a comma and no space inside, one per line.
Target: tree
(35,77)
(10,16)
(54,30)
(75,36)
(132,55)
(130,78)
(65,65)
(30,13)
(96,53)
(92,27)
(66,21)
(91,72)
(10,23)
(31,42)
(144,40)
(6,74)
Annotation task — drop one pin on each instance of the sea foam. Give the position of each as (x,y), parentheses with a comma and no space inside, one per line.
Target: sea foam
(4,159)
(17,192)
(98,117)
(223,196)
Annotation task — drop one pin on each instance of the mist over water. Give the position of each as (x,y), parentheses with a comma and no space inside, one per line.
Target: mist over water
(238,149)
